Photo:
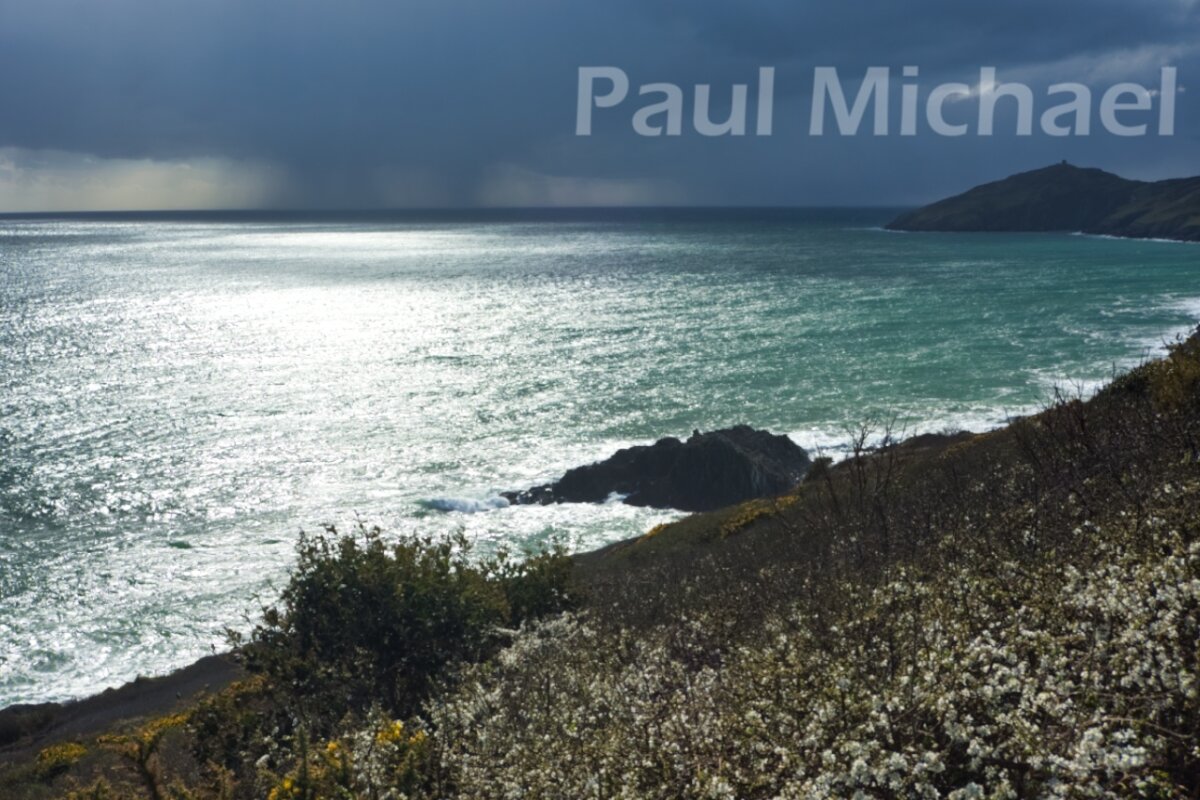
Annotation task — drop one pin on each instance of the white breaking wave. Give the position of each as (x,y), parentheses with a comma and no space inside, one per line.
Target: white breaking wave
(1156,346)
(837,443)
(1186,305)
(465,505)
(1131,238)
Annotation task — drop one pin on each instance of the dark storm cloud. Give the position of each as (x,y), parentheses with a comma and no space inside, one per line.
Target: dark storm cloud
(455,102)
(949,32)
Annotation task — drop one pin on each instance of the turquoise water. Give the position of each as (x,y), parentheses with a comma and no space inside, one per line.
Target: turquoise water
(179,397)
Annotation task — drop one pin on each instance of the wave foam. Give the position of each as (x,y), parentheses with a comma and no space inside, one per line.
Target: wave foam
(1157,346)
(1131,238)
(836,442)
(465,505)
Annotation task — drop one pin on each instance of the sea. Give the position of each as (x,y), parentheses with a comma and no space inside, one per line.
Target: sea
(182,394)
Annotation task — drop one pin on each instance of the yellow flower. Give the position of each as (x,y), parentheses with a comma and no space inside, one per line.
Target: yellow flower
(71,751)
(154,729)
(391,734)
(59,757)
(655,531)
(286,789)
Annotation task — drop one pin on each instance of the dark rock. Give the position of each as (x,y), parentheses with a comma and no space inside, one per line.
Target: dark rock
(708,471)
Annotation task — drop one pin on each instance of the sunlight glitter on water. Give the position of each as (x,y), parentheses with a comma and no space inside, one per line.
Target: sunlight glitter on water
(179,399)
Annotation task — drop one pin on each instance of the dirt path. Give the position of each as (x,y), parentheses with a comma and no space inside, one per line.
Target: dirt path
(26,729)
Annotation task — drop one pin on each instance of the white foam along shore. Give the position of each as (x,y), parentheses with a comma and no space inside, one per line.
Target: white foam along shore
(465,505)
(1155,240)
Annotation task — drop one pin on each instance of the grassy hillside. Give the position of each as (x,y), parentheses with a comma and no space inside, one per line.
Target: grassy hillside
(1067,198)
(1015,614)
(1165,210)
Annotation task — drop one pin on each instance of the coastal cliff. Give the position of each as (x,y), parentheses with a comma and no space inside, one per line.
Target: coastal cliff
(1008,614)
(1067,198)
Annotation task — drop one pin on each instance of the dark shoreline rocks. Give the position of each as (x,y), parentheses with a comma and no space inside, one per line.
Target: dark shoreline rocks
(707,471)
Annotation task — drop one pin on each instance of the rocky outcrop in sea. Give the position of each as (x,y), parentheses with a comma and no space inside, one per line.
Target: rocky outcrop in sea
(707,471)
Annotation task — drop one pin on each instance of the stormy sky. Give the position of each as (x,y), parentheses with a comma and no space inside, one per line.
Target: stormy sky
(407,103)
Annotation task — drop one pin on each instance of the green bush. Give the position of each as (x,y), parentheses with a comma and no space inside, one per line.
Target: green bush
(538,585)
(366,621)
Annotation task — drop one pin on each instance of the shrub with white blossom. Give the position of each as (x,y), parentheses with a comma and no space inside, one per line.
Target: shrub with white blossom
(1084,686)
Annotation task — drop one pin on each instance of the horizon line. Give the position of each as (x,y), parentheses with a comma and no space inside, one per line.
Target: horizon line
(445,209)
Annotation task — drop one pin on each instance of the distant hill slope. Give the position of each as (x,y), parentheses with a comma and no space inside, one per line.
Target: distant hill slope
(1068,198)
